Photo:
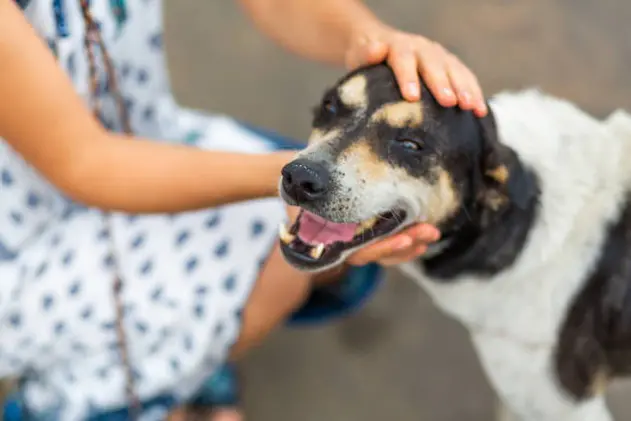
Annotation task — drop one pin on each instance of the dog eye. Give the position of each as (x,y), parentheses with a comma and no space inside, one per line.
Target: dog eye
(410,144)
(329,107)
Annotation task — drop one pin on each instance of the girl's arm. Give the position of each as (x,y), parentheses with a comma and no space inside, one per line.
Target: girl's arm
(320,30)
(49,125)
(347,32)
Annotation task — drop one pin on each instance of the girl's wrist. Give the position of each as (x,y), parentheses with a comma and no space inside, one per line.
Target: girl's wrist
(272,173)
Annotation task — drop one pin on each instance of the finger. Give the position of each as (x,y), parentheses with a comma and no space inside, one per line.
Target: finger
(477,97)
(380,249)
(433,68)
(481,109)
(404,65)
(400,244)
(397,259)
(425,233)
(366,51)
(467,87)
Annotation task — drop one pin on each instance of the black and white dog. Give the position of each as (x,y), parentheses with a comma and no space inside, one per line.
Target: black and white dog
(534,205)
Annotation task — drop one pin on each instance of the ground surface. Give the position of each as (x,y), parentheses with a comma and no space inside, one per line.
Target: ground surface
(399,359)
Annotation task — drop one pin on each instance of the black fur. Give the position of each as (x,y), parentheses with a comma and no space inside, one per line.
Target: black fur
(483,240)
(595,339)
(496,217)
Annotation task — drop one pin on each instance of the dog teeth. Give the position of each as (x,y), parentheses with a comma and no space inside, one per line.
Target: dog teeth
(284,234)
(317,251)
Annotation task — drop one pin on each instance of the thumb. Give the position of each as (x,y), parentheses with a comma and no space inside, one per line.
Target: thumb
(366,51)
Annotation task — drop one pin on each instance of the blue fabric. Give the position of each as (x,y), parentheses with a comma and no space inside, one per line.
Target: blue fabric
(220,390)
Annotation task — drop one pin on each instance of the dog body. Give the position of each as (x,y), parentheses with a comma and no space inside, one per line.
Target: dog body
(533,203)
(542,327)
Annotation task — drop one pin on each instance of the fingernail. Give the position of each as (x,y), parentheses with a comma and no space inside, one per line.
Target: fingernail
(413,90)
(448,92)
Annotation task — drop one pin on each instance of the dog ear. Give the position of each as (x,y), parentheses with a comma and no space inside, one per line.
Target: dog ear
(505,179)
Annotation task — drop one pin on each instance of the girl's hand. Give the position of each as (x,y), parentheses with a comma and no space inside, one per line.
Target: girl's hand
(399,248)
(449,80)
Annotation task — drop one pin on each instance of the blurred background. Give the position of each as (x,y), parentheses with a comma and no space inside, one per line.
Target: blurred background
(398,359)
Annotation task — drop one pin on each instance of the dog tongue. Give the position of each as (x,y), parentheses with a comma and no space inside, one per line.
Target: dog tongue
(314,230)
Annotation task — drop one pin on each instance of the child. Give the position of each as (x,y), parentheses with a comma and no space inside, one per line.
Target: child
(133,269)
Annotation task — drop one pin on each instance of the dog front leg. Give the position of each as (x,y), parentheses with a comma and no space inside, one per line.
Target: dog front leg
(523,378)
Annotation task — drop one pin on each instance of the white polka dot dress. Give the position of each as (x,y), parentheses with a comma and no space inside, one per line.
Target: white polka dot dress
(186,276)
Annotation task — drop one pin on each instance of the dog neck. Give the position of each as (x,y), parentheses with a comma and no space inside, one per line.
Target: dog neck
(474,244)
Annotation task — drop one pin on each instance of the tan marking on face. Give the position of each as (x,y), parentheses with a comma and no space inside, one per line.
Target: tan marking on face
(444,200)
(319,136)
(499,174)
(400,114)
(353,92)
(439,198)
(362,159)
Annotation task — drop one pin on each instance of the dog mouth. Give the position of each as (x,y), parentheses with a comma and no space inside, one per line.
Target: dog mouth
(313,242)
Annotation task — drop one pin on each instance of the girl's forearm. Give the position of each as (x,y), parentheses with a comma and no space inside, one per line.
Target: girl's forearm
(44,120)
(319,30)
(137,175)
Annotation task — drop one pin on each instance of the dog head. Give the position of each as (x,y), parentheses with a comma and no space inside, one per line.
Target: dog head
(376,163)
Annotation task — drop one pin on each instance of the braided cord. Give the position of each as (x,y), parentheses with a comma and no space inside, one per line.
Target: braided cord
(93,36)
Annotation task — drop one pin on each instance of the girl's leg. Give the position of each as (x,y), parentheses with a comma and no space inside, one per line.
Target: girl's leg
(279,291)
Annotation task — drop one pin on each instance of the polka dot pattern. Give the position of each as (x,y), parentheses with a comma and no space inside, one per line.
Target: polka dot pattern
(186,276)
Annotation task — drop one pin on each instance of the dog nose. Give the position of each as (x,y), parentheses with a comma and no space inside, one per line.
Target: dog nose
(305,180)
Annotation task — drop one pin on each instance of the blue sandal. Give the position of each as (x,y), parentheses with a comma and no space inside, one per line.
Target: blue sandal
(221,390)
(12,410)
(340,299)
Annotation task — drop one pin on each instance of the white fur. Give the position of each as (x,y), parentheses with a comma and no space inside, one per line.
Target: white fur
(514,318)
